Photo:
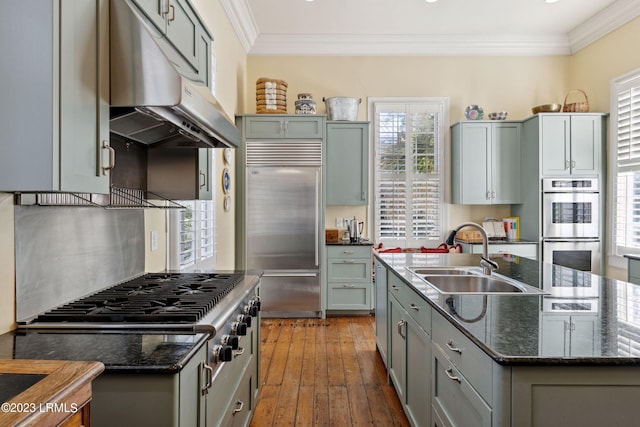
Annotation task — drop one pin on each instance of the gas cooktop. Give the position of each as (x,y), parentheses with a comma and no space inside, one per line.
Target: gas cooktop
(152,298)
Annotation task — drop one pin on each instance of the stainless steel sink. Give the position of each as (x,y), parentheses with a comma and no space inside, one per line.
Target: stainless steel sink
(479,284)
(437,271)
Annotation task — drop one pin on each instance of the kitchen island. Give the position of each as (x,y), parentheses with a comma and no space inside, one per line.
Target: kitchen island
(569,357)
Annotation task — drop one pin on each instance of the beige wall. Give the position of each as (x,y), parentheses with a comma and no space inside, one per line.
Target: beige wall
(513,84)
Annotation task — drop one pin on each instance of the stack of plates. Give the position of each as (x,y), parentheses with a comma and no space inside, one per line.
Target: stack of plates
(271,96)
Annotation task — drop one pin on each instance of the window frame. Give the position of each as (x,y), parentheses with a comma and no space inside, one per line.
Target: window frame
(442,105)
(619,84)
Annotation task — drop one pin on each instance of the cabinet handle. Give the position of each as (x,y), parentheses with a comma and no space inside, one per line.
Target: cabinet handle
(415,307)
(112,157)
(165,12)
(567,164)
(400,325)
(394,288)
(209,378)
(449,372)
(573,164)
(453,348)
(348,261)
(203,179)
(493,195)
(348,252)
(488,195)
(239,406)
(349,285)
(173,14)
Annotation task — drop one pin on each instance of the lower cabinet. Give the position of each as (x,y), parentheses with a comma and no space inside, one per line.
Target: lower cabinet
(410,353)
(349,277)
(569,335)
(381,309)
(455,402)
(527,250)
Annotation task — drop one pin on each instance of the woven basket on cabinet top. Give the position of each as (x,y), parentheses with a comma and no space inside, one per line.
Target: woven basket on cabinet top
(576,107)
(271,96)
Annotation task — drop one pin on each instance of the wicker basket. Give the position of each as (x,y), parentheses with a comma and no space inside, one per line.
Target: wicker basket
(576,107)
(271,96)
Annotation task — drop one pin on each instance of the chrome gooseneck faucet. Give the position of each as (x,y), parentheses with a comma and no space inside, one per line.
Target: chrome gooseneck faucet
(487,265)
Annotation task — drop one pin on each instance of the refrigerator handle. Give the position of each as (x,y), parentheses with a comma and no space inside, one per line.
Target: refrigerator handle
(317,219)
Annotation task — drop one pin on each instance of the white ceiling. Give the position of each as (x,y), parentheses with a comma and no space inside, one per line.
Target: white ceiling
(415,27)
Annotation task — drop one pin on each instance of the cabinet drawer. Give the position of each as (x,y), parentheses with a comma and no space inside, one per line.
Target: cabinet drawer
(466,356)
(349,296)
(349,270)
(413,303)
(284,127)
(455,402)
(348,251)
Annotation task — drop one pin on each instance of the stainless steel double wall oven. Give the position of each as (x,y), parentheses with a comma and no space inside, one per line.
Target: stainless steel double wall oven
(571,223)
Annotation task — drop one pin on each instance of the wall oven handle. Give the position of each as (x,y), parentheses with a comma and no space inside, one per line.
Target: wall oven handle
(317,220)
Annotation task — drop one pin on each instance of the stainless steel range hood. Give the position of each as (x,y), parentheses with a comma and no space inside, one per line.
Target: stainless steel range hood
(153,97)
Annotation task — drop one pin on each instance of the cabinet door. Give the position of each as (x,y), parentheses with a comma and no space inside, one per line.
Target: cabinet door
(471,154)
(583,336)
(304,127)
(155,10)
(84,96)
(505,160)
(382,318)
(555,136)
(454,400)
(183,30)
(347,164)
(585,144)
(418,383)
(264,127)
(397,347)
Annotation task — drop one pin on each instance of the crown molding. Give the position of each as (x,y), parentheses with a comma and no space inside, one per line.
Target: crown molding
(242,21)
(408,45)
(241,18)
(608,20)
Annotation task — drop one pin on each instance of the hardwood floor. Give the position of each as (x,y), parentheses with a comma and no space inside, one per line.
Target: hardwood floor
(327,372)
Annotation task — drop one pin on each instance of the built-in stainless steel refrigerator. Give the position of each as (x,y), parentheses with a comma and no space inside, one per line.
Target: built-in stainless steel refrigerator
(283,225)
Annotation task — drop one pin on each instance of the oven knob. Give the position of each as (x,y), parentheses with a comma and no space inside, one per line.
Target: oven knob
(255,303)
(251,310)
(231,340)
(246,319)
(222,353)
(239,328)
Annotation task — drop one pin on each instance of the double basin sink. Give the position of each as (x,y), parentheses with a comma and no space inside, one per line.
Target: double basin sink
(471,280)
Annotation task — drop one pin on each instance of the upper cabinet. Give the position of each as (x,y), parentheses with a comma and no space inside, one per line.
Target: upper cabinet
(347,163)
(485,162)
(280,126)
(571,144)
(54,112)
(179,23)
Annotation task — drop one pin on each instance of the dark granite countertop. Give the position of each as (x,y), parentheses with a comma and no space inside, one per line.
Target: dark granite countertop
(121,352)
(498,242)
(524,330)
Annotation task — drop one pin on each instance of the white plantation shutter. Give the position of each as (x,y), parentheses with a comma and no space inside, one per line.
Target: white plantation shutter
(625,122)
(408,175)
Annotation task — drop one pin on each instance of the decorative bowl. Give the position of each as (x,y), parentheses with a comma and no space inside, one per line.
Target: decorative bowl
(501,115)
(547,108)
(474,112)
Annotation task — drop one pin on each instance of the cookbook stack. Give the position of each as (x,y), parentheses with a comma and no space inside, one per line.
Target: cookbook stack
(271,96)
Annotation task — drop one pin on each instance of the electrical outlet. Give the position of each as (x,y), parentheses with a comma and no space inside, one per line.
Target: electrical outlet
(339,222)
(154,241)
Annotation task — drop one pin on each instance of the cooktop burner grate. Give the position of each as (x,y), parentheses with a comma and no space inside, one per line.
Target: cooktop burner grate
(153,298)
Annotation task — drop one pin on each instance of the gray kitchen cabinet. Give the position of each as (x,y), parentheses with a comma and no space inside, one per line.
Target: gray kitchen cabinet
(282,126)
(180,174)
(349,278)
(178,21)
(410,350)
(55,108)
(381,309)
(485,162)
(529,250)
(347,150)
(571,144)
(567,335)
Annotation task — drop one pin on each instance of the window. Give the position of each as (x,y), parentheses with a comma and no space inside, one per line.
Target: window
(192,235)
(625,140)
(409,137)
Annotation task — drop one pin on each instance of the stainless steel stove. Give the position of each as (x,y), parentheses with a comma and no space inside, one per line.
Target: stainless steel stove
(218,386)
